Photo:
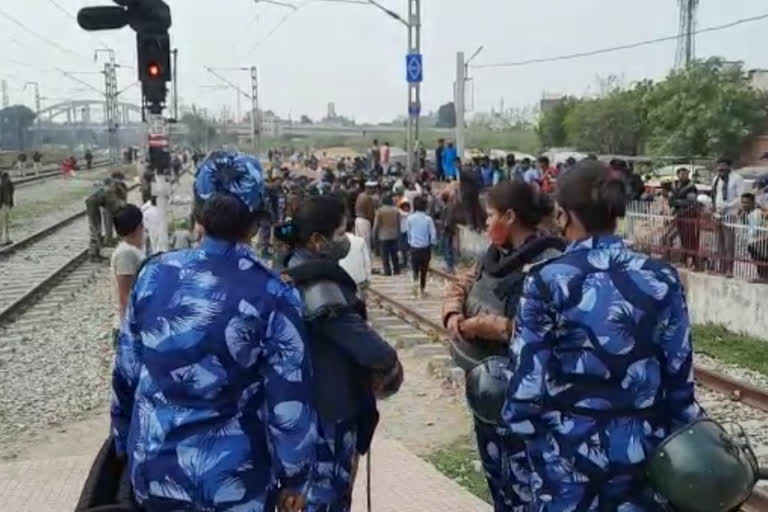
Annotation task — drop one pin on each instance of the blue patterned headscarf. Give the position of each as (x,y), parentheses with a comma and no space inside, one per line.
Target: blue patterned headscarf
(238,174)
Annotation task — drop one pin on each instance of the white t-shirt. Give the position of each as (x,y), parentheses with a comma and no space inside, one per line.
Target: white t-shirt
(357,262)
(126,260)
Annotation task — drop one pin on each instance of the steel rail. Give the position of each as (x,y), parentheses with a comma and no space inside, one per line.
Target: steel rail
(734,389)
(8,313)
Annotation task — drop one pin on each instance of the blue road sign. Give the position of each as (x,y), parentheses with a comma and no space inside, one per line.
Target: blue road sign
(414,71)
(414,109)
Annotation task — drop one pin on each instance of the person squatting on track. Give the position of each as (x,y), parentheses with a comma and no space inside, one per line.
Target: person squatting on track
(478,309)
(352,364)
(602,368)
(212,392)
(106,196)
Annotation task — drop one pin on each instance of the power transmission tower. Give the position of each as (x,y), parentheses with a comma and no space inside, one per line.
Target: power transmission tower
(112,110)
(686,40)
(6,100)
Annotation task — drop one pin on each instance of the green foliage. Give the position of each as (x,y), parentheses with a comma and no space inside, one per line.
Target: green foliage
(737,349)
(14,123)
(202,133)
(551,128)
(515,139)
(707,109)
(456,461)
(611,124)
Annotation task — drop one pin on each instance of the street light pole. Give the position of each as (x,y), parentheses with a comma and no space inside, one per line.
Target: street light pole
(459,96)
(38,138)
(176,84)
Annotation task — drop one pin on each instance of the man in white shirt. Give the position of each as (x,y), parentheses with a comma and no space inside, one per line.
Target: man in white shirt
(161,189)
(126,260)
(357,262)
(153,222)
(727,189)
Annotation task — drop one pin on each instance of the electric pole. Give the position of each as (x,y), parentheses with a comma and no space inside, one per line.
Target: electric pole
(255,116)
(6,100)
(458,102)
(414,86)
(175,84)
(111,109)
(38,135)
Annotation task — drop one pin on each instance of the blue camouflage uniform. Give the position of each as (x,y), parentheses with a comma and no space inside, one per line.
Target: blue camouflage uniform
(602,372)
(212,398)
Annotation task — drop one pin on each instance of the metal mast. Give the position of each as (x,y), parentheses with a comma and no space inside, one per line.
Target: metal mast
(686,41)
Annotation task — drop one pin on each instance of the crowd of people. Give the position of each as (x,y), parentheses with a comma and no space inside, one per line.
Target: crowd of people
(238,386)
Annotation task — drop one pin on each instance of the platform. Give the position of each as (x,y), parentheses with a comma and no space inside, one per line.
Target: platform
(402,482)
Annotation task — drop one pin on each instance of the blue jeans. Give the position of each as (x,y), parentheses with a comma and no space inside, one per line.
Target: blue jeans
(446,250)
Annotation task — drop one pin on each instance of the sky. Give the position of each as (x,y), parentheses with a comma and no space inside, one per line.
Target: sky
(354,55)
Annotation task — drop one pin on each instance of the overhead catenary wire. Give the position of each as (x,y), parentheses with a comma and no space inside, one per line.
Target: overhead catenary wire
(627,46)
(41,37)
(279,24)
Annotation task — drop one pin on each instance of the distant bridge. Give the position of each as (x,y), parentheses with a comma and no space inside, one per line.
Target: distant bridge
(80,111)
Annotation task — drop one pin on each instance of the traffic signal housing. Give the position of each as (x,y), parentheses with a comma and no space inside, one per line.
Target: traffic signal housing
(154,55)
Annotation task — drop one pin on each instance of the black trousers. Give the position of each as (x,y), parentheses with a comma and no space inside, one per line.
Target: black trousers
(420,263)
(389,256)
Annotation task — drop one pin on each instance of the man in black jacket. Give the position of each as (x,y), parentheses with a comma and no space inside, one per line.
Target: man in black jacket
(6,203)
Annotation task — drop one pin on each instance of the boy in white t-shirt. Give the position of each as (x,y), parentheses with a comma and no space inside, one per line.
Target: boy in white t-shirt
(126,260)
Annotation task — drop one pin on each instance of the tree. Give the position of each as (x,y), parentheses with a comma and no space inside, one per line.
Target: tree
(551,128)
(707,109)
(612,124)
(14,124)
(201,131)
(446,116)
(305,119)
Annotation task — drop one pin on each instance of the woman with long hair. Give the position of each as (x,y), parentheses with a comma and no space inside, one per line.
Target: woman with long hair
(353,365)
(478,311)
(602,366)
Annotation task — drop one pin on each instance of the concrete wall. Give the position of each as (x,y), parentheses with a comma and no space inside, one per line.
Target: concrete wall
(737,305)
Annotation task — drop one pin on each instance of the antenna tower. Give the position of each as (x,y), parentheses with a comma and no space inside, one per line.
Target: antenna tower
(686,39)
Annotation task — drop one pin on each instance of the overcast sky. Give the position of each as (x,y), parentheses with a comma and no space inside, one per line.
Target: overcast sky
(353,55)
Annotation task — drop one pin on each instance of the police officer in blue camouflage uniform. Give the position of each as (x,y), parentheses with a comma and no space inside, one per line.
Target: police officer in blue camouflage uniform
(212,392)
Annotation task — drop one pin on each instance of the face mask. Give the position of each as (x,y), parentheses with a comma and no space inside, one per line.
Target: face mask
(338,249)
(498,233)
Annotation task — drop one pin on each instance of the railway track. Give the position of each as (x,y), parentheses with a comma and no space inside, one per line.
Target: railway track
(50,260)
(54,172)
(723,397)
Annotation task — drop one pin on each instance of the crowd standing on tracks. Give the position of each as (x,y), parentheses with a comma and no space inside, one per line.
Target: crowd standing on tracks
(238,386)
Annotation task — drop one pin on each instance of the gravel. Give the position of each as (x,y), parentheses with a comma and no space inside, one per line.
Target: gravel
(59,373)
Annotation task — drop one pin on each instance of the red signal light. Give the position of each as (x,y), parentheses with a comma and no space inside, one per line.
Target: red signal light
(154,70)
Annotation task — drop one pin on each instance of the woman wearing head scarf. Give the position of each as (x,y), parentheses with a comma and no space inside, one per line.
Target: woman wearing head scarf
(211,388)
(478,310)
(352,364)
(602,363)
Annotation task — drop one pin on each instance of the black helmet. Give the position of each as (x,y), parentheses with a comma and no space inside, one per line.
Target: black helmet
(468,355)
(486,389)
(702,468)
